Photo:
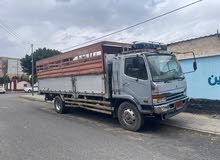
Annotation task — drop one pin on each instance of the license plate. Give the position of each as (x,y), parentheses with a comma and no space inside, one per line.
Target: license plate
(179,105)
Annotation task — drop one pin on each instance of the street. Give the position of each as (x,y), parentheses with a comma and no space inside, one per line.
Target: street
(31,130)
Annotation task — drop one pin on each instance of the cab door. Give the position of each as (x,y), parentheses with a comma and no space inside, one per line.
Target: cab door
(135,81)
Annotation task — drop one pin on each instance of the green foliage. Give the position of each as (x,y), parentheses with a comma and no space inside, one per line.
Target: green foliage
(4,80)
(38,55)
(26,64)
(24,77)
(1,80)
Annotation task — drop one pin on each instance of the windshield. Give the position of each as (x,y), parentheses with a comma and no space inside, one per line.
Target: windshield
(164,67)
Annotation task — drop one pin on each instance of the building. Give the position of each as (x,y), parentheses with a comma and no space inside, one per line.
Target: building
(3,66)
(205,82)
(16,85)
(11,67)
(14,67)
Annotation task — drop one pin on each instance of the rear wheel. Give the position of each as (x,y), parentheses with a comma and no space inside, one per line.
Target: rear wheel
(129,117)
(59,105)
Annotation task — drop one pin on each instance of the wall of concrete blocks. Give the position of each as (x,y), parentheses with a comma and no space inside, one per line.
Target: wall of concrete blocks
(202,46)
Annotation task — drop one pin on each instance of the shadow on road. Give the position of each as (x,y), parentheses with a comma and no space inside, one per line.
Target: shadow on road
(150,125)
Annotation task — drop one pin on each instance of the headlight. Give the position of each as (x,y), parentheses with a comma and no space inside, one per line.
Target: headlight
(160,100)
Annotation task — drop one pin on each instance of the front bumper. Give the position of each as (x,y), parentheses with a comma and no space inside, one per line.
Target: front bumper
(169,110)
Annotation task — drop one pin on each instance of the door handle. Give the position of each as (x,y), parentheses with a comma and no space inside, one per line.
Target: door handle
(125,84)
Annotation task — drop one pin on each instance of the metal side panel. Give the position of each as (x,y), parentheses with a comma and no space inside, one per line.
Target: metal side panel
(90,84)
(63,84)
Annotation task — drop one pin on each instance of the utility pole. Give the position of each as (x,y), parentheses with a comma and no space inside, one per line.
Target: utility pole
(4,82)
(32,77)
(17,67)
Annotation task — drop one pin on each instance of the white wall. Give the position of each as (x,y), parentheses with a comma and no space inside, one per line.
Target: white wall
(205,82)
(21,85)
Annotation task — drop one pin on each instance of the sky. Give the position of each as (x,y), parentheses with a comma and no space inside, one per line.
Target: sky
(59,24)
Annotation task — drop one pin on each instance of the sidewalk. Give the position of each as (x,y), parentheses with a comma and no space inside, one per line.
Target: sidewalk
(195,122)
(36,97)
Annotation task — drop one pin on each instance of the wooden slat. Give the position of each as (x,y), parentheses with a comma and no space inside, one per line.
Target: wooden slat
(88,72)
(76,64)
(84,66)
(89,67)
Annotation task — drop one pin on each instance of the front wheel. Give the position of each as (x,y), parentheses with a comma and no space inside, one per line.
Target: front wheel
(129,117)
(59,105)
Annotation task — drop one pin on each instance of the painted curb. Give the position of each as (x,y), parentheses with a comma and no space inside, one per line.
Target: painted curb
(192,129)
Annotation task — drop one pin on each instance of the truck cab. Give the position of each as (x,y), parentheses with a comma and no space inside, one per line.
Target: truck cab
(150,79)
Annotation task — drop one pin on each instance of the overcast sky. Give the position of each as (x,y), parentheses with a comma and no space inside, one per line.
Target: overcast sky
(59,24)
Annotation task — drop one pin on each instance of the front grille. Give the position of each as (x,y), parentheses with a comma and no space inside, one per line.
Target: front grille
(175,96)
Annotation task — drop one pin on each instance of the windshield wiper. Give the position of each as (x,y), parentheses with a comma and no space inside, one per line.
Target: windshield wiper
(169,79)
(163,80)
(175,77)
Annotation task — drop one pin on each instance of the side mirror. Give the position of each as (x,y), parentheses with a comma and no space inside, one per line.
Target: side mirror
(194,65)
(194,62)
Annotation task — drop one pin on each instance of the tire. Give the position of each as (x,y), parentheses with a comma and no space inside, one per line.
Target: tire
(129,117)
(29,91)
(59,105)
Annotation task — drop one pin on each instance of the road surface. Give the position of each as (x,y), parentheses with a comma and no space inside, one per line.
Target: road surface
(31,130)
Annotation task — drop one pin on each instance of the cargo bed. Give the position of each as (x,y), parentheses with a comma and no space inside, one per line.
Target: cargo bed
(80,71)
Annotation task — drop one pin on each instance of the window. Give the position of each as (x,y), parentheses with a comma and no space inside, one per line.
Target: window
(135,67)
(25,85)
(164,67)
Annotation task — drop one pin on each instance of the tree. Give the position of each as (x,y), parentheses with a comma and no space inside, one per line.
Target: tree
(39,54)
(4,80)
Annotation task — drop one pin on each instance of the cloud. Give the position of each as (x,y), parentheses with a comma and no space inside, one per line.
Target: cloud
(59,24)
(63,1)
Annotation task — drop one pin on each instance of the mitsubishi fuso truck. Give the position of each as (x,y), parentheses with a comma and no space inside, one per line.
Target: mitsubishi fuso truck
(127,81)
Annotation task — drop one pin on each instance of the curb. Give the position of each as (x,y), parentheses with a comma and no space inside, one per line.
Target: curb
(193,129)
(32,98)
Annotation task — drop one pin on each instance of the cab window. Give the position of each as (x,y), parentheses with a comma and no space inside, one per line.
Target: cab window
(135,67)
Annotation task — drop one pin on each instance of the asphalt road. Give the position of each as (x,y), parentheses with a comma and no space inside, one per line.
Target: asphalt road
(33,131)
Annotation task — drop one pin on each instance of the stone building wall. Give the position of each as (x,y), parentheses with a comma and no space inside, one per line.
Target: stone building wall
(201,46)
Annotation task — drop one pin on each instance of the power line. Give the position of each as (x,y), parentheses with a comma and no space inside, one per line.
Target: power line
(28,50)
(11,32)
(134,25)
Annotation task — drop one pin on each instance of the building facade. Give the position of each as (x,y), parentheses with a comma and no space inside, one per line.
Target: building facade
(14,67)
(205,82)
(3,66)
(11,67)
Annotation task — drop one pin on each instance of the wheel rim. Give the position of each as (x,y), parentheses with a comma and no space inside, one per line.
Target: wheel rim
(129,117)
(58,105)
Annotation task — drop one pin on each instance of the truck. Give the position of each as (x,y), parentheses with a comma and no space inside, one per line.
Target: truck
(128,81)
